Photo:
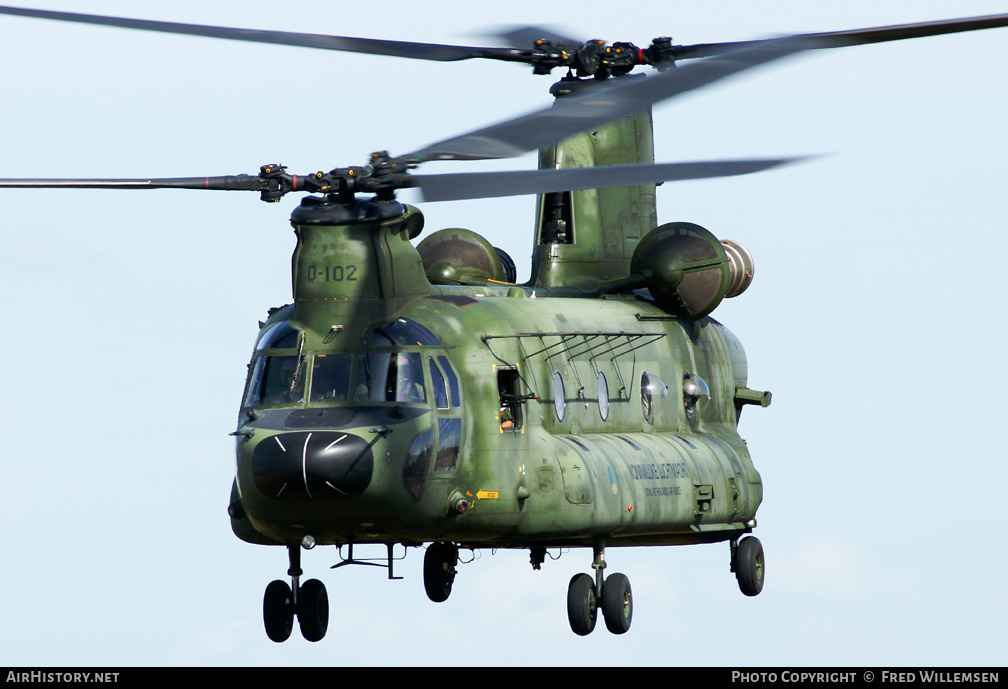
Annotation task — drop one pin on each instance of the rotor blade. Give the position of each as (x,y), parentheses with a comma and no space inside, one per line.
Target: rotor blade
(603,102)
(524,36)
(421,51)
(225,182)
(481,185)
(841,39)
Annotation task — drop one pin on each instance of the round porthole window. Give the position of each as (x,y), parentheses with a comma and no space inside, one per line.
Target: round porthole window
(559,401)
(653,395)
(603,396)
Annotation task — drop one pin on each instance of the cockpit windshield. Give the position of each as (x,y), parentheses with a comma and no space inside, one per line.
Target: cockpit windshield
(331,378)
(377,377)
(381,373)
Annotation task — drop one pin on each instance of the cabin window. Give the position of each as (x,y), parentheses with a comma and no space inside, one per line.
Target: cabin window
(654,392)
(603,396)
(559,396)
(696,394)
(507,390)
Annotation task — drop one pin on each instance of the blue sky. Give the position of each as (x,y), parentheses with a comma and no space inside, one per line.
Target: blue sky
(875,317)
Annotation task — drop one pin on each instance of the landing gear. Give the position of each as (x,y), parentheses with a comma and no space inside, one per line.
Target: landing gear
(278,611)
(439,570)
(748,565)
(582,604)
(308,601)
(617,603)
(313,610)
(584,599)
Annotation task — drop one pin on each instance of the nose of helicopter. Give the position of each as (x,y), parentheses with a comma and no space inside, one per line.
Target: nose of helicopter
(312,465)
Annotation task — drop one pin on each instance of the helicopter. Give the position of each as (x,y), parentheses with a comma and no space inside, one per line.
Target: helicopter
(525,379)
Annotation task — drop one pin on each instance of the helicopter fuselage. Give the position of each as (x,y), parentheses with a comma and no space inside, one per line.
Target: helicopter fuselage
(483,415)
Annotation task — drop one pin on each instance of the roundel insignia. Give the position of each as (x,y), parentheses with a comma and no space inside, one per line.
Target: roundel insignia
(612,481)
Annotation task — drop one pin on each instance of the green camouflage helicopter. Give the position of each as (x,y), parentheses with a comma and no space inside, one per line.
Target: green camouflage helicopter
(414,394)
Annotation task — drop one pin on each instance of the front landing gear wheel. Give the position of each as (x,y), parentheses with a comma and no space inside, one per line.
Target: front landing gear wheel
(313,610)
(582,604)
(439,570)
(749,566)
(278,611)
(617,603)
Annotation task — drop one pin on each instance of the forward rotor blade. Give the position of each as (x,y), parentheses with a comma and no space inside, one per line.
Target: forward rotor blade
(524,36)
(482,185)
(603,102)
(372,46)
(225,183)
(841,39)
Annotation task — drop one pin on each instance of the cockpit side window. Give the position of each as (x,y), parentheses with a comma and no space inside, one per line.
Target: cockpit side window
(438,385)
(453,384)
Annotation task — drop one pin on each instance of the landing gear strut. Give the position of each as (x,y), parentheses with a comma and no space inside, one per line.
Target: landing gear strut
(309,602)
(584,599)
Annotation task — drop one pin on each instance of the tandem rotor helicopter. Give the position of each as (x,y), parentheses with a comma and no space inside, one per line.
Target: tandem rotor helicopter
(414,394)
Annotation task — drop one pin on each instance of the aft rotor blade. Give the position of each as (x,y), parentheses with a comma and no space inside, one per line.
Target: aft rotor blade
(481,185)
(226,183)
(421,51)
(603,102)
(841,39)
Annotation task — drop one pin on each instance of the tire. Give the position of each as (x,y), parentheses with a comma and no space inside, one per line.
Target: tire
(439,570)
(313,610)
(617,603)
(750,568)
(582,604)
(278,611)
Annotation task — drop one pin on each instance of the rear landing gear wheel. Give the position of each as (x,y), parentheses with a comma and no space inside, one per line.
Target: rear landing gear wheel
(439,570)
(313,610)
(749,566)
(617,603)
(582,604)
(278,611)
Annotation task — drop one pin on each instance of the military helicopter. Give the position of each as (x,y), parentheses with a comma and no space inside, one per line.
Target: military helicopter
(435,401)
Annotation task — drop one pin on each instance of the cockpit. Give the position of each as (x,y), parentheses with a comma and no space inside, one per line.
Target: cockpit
(391,369)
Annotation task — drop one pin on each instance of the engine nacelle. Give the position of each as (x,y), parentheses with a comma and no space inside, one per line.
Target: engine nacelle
(688,270)
(461,256)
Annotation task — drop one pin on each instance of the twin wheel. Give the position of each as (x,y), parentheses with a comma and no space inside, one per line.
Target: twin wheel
(583,603)
(310,605)
(616,600)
